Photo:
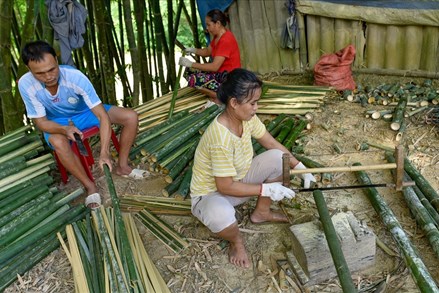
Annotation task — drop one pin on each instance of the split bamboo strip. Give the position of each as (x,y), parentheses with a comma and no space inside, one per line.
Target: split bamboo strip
(148,266)
(284,111)
(352,168)
(283,106)
(165,99)
(314,88)
(74,259)
(166,234)
(120,230)
(113,266)
(417,268)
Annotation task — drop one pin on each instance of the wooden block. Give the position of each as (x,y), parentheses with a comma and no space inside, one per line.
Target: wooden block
(311,252)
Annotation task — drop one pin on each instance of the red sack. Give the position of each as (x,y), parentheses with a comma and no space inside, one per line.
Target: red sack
(335,69)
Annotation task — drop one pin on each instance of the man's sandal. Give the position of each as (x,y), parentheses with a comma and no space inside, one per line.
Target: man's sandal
(93,199)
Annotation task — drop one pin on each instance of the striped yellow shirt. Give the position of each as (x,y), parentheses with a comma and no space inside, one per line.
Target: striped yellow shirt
(220,153)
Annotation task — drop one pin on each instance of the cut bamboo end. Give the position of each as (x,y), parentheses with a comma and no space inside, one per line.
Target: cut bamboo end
(376,115)
(395,126)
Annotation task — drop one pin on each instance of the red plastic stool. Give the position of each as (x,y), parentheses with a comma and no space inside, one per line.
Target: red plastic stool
(86,161)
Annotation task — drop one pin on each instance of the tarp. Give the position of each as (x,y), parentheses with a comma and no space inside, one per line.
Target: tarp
(204,6)
(404,12)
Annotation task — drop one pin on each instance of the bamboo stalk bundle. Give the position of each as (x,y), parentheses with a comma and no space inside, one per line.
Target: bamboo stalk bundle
(290,99)
(186,98)
(158,205)
(418,270)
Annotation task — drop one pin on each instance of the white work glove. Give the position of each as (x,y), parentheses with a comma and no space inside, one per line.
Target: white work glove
(276,191)
(190,50)
(183,61)
(306,177)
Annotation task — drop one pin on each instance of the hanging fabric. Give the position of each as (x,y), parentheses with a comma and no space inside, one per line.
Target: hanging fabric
(67,18)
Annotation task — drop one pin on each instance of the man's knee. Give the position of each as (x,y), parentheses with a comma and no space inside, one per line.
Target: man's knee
(60,143)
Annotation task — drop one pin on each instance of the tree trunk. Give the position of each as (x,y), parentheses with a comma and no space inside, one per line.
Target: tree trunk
(146,85)
(159,36)
(133,51)
(12,113)
(105,58)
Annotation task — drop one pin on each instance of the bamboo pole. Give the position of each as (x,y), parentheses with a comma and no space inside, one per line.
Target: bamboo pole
(417,268)
(340,263)
(429,192)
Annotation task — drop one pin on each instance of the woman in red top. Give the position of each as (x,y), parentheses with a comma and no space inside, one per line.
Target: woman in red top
(223,49)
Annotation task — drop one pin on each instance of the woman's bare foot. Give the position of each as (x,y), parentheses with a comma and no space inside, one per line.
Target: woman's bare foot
(238,255)
(258,217)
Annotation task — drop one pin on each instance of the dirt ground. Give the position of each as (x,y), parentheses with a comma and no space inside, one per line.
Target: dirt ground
(204,267)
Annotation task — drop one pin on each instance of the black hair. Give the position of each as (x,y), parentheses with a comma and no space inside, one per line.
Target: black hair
(35,51)
(240,84)
(217,15)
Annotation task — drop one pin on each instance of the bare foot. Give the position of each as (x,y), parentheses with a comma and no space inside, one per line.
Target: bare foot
(238,255)
(270,216)
(123,171)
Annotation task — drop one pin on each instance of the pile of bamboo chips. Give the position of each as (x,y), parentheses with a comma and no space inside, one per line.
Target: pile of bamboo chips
(31,212)
(404,100)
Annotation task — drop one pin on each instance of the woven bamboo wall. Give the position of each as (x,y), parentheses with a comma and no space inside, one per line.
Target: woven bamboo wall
(257,26)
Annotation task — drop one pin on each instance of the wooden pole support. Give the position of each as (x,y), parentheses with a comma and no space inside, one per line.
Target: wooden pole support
(398,165)
(345,169)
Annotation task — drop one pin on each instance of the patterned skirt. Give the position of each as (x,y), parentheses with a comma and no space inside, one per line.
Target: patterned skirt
(202,79)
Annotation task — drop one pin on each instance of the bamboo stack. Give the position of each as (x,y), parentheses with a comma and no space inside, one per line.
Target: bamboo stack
(291,99)
(107,254)
(156,111)
(31,212)
(101,261)
(168,145)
